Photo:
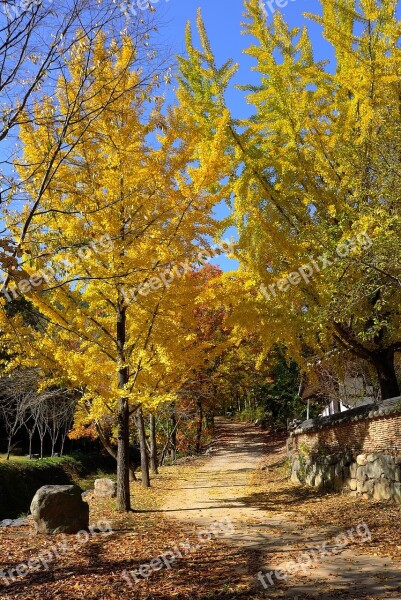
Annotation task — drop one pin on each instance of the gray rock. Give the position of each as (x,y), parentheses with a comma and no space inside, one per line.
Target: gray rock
(366,487)
(327,474)
(310,478)
(372,457)
(396,495)
(319,480)
(389,466)
(361,460)
(20,522)
(59,509)
(352,470)
(361,474)
(374,470)
(383,490)
(352,484)
(105,488)
(338,481)
(6,523)
(296,466)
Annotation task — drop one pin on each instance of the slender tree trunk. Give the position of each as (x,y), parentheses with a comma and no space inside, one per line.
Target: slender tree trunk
(123,491)
(153,444)
(8,449)
(63,436)
(142,443)
(173,433)
(199,426)
(30,447)
(384,365)
(41,446)
(54,440)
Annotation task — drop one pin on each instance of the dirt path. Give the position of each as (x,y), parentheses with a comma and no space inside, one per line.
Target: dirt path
(226,487)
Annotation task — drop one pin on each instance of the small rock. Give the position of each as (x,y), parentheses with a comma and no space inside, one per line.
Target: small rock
(105,488)
(21,522)
(6,522)
(361,460)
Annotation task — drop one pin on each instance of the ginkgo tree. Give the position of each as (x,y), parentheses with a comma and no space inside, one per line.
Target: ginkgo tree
(315,173)
(141,180)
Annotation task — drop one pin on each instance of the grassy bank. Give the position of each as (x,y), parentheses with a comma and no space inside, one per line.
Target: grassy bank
(20,479)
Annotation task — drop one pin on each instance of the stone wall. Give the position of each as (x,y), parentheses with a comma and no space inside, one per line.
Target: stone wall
(358,451)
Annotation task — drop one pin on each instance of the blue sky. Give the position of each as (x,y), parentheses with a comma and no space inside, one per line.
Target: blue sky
(223,22)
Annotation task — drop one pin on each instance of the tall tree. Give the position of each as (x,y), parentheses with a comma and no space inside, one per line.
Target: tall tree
(314,182)
(37,41)
(115,236)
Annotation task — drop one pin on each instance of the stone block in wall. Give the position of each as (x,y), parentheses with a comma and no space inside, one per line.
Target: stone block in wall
(383,490)
(361,474)
(319,479)
(296,467)
(351,484)
(328,476)
(365,487)
(361,460)
(310,478)
(397,474)
(368,488)
(352,470)
(374,470)
(387,466)
(396,492)
(338,481)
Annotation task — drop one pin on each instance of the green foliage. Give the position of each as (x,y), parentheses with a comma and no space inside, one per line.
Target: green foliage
(251,414)
(275,391)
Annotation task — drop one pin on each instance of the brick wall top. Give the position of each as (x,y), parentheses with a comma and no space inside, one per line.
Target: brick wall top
(386,408)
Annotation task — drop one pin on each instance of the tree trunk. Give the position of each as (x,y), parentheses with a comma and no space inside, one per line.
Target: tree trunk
(142,443)
(199,426)
(123,491)
(63,436)
(384,365)
(8,449)
(153,444)
(54,440)
(173,433)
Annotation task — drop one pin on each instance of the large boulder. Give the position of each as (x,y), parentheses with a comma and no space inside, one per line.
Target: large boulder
(59,509)
(105,488)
